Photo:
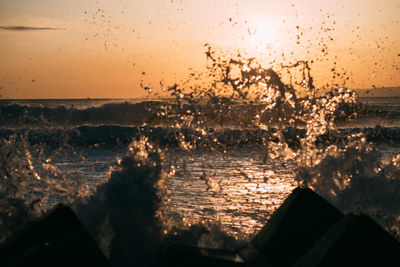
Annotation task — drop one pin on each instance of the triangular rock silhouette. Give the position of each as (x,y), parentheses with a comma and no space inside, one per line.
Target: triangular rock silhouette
(356,240)
(57,239)
(294,227)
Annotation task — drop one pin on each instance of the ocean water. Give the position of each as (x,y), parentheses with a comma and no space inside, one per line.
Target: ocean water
(206,168)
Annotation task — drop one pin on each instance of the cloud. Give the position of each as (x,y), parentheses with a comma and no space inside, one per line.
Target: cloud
(26,28)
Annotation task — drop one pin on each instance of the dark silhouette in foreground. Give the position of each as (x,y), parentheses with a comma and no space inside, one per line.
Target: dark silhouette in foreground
(305,231)
(57,239)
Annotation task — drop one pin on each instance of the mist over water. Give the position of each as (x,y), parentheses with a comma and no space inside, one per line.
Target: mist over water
(207,165)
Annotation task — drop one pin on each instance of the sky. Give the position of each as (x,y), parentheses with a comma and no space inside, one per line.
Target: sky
(106,49)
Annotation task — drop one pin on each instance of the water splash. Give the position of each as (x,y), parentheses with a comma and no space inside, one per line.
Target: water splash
(30,182)
(240,105)
(241,93)
(123,213)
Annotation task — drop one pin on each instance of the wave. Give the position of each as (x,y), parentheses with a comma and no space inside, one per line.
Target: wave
(373,111)
(124,217)
(224,113)
(166,136)
(126,113)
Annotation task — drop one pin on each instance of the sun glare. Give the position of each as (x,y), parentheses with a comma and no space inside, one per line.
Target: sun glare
(263,33)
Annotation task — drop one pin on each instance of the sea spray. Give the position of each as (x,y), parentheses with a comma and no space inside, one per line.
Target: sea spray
(125,216)
(123,213)
(195,135)
(355,180)
(336,168)
(30,181)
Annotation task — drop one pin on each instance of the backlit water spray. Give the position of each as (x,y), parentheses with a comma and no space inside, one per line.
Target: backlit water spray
(206,167)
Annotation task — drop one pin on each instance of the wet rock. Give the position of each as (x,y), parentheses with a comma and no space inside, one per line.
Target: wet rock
(57,239)
(356,240)
(294,228)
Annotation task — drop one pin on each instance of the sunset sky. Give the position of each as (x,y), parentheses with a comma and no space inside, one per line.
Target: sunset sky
(104,49)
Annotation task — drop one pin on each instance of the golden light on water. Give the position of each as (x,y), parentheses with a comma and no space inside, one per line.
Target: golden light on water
(248,191)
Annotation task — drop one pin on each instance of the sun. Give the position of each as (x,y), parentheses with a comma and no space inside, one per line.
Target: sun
(263,33)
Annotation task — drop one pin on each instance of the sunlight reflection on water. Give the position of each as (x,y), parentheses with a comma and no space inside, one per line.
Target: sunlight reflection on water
(241,191)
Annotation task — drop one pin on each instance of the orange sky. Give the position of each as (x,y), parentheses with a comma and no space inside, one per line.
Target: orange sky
(99,49)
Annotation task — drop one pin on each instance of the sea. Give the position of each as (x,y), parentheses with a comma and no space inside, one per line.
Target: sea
(202,169)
